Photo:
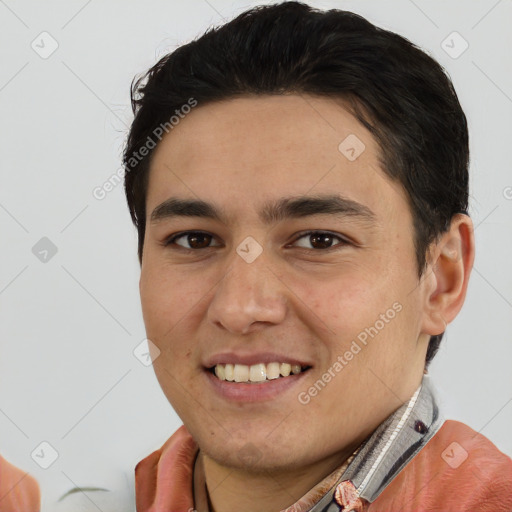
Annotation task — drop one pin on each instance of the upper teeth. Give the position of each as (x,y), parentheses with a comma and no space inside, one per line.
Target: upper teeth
(256,372)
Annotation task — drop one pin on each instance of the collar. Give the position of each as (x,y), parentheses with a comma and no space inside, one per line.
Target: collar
(395,442)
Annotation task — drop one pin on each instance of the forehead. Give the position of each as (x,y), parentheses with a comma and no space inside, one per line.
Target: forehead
(253,149)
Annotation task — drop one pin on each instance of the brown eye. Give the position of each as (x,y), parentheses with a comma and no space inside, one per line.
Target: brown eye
(194,239)
(319,240)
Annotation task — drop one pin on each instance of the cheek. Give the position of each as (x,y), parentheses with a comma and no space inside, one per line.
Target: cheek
(168,300)
(165,299)
(344,304)
(366,320)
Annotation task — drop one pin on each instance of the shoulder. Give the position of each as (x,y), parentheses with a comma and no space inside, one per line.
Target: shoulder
(458,469)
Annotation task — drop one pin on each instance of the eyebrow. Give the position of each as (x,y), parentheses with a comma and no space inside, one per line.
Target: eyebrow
(272,212)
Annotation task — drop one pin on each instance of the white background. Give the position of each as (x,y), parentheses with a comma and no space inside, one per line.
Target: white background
(68,327)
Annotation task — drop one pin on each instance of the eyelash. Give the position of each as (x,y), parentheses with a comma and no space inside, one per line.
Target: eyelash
(172,239)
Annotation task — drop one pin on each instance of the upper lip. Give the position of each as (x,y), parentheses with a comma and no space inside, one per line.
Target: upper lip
(254,358)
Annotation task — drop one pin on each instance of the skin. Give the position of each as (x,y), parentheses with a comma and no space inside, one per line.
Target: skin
(296,297)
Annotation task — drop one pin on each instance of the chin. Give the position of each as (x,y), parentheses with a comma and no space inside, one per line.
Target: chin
(253,457)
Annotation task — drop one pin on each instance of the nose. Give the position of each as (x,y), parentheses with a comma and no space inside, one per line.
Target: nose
(248,296)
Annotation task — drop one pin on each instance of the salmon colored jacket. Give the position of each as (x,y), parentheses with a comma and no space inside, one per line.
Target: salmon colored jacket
(415,461)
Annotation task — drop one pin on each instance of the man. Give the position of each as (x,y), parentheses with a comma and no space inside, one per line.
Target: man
(299,182)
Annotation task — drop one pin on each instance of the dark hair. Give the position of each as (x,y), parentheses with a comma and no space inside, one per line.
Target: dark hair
(399,93)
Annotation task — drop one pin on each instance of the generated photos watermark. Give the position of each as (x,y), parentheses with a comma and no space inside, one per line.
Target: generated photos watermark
(304,397)
(100,192)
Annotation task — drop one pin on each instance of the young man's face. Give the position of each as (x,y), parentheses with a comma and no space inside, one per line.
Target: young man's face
(347,305)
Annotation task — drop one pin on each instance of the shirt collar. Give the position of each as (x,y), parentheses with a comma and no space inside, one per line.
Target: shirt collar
(395,442)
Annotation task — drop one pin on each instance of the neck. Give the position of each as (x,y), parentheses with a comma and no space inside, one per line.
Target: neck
(232,490)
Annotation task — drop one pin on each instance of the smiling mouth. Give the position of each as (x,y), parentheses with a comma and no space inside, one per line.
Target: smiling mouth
(256,373)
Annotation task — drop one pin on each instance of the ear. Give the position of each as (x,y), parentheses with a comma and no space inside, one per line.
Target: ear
(447,276)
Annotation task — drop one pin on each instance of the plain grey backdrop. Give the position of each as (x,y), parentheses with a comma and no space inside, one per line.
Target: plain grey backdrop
(70,317)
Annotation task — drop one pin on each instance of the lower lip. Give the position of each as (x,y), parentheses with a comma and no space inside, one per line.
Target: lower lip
(254,392)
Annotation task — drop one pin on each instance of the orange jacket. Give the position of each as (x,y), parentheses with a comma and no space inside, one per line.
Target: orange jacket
(19,492)
(458,470)
(434,480)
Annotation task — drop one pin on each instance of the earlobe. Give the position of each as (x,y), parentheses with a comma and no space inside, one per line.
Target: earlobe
(452,256)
